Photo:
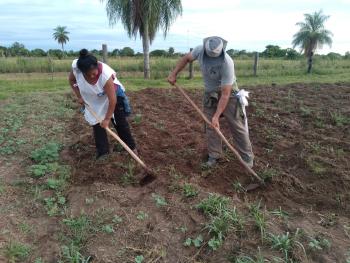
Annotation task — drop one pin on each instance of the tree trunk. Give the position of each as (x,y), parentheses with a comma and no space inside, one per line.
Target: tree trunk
(145,45)
(309,62)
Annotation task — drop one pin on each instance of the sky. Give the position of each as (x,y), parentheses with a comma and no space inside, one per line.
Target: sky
(245,24)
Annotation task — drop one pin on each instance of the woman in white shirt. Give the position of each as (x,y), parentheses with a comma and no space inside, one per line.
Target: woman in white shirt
(95,83)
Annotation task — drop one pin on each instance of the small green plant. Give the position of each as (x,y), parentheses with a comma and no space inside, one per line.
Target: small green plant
(319,243)
(16,252)
(79,228)
(214,204)
(142,216)
(25,228)
(47,153)
(137,118)
(55,205)
(117,219)
(72,254)
(108,229)
(285,243)
(259,218)
(139,259)
(55,184)
(268,174)
(305,112)
(339,119)
(280,213)
(197,242)
(38,170)
(189,190)
(129,176)
(2,187)
(239,188)
(160,201)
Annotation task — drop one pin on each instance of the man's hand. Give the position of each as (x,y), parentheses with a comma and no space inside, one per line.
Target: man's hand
(105,123)
(172,78)
(215,122)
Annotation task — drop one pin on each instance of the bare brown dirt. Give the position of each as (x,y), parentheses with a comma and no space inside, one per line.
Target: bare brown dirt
(294,133)
(301,139)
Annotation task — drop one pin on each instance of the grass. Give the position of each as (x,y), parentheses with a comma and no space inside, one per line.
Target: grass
(16,252)
(31,74)
(286,243)
(159,200)
(259,218)
(189,190)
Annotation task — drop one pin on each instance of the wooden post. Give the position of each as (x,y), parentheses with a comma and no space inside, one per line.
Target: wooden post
(256,58)
(190,68)
(104,53)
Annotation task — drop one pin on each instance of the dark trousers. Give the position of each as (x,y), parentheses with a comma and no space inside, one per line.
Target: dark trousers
(121,124)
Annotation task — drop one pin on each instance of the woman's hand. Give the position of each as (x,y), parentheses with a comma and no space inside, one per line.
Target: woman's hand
(81,101)
(105,123)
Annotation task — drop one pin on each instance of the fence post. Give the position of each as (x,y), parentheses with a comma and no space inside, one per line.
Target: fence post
(190,68)
(104,53)
(256,58)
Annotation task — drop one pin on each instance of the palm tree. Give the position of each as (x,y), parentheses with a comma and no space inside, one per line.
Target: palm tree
(144,17)
(61,35)
(312,35)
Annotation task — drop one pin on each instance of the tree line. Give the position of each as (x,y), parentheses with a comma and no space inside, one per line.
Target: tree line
(271,51)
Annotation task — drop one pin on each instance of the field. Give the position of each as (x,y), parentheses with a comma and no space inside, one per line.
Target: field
(60,205)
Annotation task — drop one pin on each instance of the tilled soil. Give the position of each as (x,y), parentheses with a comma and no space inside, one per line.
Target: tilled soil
(300,135)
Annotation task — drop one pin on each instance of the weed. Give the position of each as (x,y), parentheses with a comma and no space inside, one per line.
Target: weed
(259,218)
(142,216)
(54,205)
(137,118)
(108,229)
(189,190)
(319,243)
(139,259)
(285,243)
(280,213)
(160,201)
(316,167)
(117,219)
(214,204)
(16,252)
(182,229)
(55,184)
(2,187)
(268,174)
(47,153)
(328,220)
(305,112)
(89,201)
(129,177)
(197,242)
(339,119)
(72,254)
(25,228)
(239,188)
(79,228)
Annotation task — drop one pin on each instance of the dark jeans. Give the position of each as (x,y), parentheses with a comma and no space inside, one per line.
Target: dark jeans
(121,124)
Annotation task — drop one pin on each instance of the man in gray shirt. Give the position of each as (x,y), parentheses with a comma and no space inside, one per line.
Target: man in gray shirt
(221,97)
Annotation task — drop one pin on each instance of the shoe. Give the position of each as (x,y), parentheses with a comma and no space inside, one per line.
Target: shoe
(102,156)
(248,160)
(210,163)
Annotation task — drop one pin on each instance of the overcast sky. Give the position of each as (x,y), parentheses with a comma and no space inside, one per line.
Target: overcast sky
(246,24)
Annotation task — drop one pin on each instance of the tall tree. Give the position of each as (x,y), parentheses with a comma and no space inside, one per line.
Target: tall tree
(61,35)
(312,35)
(144,18)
